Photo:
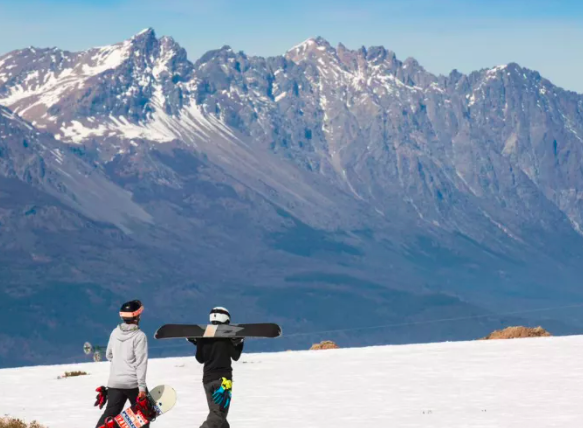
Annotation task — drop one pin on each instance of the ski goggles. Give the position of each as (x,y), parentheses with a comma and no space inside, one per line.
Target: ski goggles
(132,314)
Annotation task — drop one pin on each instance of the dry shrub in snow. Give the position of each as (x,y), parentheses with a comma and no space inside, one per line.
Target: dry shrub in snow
(72,374)
(326,344)
(17,423)
(517,333)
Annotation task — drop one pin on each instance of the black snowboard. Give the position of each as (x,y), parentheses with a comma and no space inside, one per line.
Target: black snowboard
(173,331)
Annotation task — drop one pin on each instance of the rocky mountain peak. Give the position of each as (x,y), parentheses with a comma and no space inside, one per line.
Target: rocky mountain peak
(312,47)
(146,36)
(379,54)
(222,55)
(169,43)
(145,47)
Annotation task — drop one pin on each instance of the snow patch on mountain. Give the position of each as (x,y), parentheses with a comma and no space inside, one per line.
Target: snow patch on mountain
(191,125)
(105,58)
(10,115)
(48,86)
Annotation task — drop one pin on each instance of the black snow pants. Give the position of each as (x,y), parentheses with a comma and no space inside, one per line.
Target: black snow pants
(217,417)
(116,400)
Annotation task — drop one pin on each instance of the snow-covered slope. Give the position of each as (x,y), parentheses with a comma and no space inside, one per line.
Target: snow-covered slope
(534,383)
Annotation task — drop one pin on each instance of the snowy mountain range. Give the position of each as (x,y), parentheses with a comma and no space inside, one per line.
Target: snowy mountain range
(326,188)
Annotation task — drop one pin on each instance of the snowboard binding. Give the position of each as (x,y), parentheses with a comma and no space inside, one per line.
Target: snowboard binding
(147,406)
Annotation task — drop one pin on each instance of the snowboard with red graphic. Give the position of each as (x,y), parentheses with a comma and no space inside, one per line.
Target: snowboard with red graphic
(160,400)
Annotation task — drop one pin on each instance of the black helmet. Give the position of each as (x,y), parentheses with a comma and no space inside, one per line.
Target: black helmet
(131,311)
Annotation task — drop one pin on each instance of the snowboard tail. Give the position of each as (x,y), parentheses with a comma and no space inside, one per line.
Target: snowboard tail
(198,331)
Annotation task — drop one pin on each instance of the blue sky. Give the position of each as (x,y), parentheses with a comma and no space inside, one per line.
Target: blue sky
(545,35)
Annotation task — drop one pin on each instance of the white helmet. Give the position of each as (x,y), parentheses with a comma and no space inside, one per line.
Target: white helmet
(220,315)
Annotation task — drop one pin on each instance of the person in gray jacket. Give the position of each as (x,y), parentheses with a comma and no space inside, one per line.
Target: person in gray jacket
(127,351)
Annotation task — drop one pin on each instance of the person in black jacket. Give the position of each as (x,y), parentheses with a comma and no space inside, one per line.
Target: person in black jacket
(216,355)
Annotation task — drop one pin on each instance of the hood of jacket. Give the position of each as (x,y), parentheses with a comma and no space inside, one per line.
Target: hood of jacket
(125,332)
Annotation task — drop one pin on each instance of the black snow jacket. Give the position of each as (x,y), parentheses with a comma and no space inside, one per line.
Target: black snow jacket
(216,355)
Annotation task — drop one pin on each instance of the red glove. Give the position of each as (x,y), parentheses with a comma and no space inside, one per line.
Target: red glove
(101,397)
(109,423)
(143,405)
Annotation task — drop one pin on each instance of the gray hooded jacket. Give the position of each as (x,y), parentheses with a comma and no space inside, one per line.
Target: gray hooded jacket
(128,352)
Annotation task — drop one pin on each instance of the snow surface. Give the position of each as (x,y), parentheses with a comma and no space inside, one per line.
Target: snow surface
(530,383)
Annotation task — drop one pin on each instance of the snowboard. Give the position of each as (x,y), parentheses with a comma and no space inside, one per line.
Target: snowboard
(196,331)
(160,400)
